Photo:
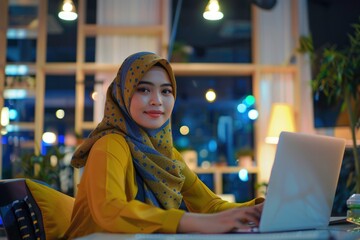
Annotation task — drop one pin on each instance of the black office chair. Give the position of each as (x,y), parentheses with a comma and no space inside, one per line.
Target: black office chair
(20,214)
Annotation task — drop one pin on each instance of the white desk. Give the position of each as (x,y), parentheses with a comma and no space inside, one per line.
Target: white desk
(344,231)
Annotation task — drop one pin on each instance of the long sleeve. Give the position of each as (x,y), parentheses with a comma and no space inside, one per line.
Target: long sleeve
(106,196)
(199,198)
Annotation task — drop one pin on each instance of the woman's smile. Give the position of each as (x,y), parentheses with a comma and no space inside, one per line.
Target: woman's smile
(154,113)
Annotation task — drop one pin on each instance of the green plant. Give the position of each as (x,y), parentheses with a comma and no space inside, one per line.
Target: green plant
(338,78)
(262,188)
(42,167)
(247,151)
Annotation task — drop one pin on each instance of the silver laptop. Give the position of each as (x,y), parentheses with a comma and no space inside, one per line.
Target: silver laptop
(303,182)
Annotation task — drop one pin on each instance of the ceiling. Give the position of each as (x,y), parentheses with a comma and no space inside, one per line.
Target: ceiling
(226,39)
(328,20)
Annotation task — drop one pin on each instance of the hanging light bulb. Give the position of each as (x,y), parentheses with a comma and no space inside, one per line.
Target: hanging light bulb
(68,11)
(212,11)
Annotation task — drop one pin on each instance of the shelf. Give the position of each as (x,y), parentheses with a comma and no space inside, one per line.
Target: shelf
(225,169)
(21,126)
(94,30)
(219,171)
(18,93)
(180,69)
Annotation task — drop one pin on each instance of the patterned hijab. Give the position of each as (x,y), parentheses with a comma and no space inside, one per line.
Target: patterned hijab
(151,149)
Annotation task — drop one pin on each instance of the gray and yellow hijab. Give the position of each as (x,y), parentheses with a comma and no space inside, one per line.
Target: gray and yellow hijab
(152,150)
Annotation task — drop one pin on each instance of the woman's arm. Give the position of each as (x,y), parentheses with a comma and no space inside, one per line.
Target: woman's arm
(222,222)
(111,189)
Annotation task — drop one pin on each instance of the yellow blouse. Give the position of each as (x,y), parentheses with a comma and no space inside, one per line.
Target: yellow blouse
(105,201)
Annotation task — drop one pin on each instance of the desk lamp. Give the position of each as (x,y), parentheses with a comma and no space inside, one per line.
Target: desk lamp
(281,119)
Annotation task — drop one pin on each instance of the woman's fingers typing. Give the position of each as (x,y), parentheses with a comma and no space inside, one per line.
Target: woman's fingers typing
(226,221)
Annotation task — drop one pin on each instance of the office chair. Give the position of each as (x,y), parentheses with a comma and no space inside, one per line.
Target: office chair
(21,216)
(25,205)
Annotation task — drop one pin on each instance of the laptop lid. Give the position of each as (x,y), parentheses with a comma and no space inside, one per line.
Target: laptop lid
(302,183)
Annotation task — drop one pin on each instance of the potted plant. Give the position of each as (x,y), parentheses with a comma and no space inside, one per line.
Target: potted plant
(338,78)
(42,167)
(244,157)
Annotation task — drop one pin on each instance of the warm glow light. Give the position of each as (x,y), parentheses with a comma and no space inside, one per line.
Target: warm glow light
(5,119)
(281,119)
(210,95)
(49,137)
(212,11)
(95,96)
(68,11)
(53,160)
(184,130)
(60,113)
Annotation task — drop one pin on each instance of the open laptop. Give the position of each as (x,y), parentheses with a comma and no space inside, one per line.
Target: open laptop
(302,183)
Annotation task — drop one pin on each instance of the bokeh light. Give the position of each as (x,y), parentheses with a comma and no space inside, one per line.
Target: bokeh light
(60,113)
(184,130)
(249,100)
(243,175)
(253,114)
(210,95)
(241,108)
(49,137)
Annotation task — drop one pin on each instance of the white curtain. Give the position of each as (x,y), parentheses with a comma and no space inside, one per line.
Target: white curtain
(115,48)
(276,46)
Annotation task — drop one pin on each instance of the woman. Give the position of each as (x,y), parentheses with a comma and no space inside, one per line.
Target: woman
(134,180)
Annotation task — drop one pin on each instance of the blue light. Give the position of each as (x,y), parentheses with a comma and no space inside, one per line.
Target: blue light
(16,70)
(13,114)
(212,146)
(61,139)
(243,175)
(241,108)
(182,142)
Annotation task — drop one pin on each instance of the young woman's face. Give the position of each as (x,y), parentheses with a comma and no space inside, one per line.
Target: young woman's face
(153,99)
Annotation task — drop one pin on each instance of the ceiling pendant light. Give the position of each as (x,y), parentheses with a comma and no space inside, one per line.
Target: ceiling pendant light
(212,11)
(68,11)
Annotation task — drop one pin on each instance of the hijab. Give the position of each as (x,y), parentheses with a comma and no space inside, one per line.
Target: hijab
(151,149)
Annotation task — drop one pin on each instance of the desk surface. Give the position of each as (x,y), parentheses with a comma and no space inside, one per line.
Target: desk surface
(343,231)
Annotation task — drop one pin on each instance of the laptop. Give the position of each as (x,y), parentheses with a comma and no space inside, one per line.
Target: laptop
(302,183)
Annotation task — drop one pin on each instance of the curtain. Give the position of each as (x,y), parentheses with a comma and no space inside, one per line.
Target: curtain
(276,44)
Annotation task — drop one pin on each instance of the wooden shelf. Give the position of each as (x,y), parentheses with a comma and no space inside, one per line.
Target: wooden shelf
(28,93)
(218,171)
(180,69)
(94,30)
(22,126)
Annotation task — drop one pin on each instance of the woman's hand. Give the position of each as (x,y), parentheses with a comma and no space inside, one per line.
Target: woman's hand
(221,222)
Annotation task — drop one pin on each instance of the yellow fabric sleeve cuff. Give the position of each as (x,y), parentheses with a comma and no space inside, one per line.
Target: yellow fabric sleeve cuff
(171,221)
